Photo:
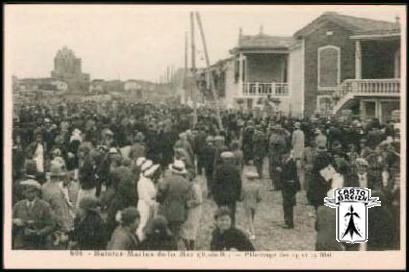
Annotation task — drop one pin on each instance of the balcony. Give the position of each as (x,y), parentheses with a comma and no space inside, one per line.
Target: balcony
(371,87)
(257,89)
(351,88)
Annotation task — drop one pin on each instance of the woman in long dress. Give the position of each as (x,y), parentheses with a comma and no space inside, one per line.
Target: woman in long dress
(191,226)
(146,196)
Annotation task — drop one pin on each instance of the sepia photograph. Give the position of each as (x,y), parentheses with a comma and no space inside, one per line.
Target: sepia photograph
(204,133)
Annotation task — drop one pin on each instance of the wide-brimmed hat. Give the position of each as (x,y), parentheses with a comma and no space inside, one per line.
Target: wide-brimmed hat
(57,169)
(57,152)
(227,155)
(276,126)
(151,170)
(361,162)
(31,183)
(321,147)
(209,139)
(178,167)
(146,165)
(140,161)
(76,131)
(107,132)
(113,151)
(219,138)
(182,135)
(89,203)
(251,175)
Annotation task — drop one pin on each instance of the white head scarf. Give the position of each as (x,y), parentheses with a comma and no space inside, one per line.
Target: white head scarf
(140,161)
(146,165)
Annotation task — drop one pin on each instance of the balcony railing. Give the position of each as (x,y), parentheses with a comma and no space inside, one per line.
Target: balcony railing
(265,89)
(374,87)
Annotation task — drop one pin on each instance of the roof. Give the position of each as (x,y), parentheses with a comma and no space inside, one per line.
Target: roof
(264,41)
(356,25)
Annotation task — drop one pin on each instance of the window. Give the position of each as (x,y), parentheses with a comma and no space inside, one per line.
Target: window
(325,104)
(329,67)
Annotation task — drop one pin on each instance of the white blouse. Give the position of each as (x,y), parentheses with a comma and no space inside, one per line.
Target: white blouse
(146,190)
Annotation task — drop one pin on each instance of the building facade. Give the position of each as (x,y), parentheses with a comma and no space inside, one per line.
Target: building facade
(134,88)
(97,86)
(349,63)
(335,63)
(67,67)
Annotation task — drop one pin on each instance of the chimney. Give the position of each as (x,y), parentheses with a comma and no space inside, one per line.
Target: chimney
(240,34)
(397,20)
(261,30)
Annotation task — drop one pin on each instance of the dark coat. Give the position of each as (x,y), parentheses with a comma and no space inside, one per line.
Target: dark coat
(39,218)
(318,187)
(137,150)
(381,229)
(290,183)
(153,242)
(123,239)
(232,238)
(373,181)
(207,157)
(326,230)
(86,175)
(259,144)
(227,184)
(126,190)
(173,195)
(90,233)
(124,195)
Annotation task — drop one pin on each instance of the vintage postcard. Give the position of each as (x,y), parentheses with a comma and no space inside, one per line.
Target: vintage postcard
(204,136)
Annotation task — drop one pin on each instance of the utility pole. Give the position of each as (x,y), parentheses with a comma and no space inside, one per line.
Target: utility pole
(193,86)
(185,70)
(212,86)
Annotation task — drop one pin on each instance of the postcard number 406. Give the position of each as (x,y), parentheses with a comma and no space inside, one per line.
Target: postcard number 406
(75,252)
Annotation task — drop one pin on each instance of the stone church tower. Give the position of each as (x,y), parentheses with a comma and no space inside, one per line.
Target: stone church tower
(67,67)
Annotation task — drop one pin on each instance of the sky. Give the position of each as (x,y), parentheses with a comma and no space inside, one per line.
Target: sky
(141,41)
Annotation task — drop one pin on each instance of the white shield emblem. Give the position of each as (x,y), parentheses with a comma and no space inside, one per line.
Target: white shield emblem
(352,205)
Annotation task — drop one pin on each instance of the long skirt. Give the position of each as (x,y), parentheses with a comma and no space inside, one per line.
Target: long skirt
(83,193)
(191,226)
(146,212)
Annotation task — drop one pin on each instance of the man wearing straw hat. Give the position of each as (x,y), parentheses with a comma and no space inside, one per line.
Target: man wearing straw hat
(52,192)
(32,218)
(173,197)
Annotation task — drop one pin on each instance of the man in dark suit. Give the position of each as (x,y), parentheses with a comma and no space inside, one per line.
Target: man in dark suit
(325,225)
(318,187)
(32,219)
(173,195)
(227,184)
(362,178)
(290,184)
(206,159)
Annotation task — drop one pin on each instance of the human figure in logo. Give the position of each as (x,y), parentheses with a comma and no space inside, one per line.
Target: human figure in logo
(351,229)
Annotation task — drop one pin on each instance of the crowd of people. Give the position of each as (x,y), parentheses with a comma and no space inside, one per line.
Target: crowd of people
(124,176)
